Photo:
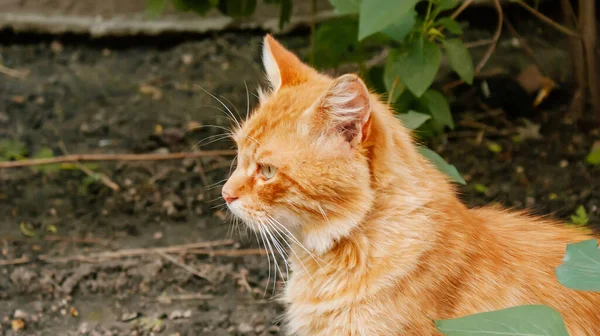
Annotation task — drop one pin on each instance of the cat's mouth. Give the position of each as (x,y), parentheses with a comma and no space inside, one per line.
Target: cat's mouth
(251,218)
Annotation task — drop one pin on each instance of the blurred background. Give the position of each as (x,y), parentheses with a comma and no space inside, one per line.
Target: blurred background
(113,144)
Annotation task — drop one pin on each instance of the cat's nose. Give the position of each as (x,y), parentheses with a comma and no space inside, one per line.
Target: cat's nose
(228,196)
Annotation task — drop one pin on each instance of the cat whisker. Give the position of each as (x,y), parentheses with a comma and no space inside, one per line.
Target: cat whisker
(295,240)
(290,248)
(227,116)
(211,139)
(262,235)
(271,250)
(235,108)
(225,106)
(218,206)
(232,163)
(247,100)
(213,185)
(285,255)
(280,250)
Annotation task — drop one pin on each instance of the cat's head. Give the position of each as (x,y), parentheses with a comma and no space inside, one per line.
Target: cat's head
(301,164)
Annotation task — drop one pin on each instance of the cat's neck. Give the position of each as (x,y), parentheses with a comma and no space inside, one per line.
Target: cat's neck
(407,191)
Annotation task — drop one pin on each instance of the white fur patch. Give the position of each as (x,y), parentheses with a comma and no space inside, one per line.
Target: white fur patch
(271,68)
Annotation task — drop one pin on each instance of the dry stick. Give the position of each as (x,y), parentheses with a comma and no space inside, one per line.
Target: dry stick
(228,253)
(16,261)
(496,37)
(479,43)
(549,21)
(20,74)
(103,178)
(184,266)
(181,297)
(577,105)
(115,157)
(489,51)
(460,9)
(94,257)
(89,240)
(587,22)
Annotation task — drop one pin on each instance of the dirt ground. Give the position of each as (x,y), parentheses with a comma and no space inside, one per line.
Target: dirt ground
(85,98)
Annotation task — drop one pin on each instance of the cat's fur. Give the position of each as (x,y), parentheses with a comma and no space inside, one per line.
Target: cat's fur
(386,245)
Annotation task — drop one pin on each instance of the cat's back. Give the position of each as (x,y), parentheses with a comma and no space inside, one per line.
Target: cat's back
(521,254)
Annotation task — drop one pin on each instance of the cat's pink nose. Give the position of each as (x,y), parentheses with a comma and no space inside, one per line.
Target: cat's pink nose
(227,196)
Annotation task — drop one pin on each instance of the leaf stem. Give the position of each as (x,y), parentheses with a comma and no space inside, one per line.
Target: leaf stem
(427,15)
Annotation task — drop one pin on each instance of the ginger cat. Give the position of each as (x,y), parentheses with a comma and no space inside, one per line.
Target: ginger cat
(380,243)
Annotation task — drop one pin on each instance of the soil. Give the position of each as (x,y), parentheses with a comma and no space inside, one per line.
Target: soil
(85,98)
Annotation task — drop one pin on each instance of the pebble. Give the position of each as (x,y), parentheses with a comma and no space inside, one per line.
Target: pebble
(245,328)
(178,314)
(20,314)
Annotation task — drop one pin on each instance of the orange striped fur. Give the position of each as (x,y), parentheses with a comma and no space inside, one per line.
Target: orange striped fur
(381,243)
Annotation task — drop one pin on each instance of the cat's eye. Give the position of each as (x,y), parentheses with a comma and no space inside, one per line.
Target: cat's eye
(268,171)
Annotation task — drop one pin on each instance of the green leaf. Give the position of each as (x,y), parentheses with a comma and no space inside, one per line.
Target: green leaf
(12,150)
(494,147)
(46,153)
(442,165)
(580,216)
(413,119)
(27,230)
(286,12)
(444,5)
(594,157)
(480,188)
(460,59)
(581,266)
(374,79)
(449,24)
(391,74)
(345,7)
(376,15)
(400,29)
(336,43)
(517,321)
(237,8)
(155,7)
(438,107)
(405,102)
(419,62)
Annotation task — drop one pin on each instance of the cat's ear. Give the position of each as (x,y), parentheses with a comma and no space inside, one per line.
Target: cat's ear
(282,67)
(346,107)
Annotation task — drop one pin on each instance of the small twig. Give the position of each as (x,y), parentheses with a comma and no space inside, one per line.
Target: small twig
(490,50)
(479,43)
(182,265)
(105,179)
(548,20)
(88,240)
(183,297)
(16,261)
(391,94)
(375,60)
(20,74)
(460,9)
(115,157)
(228,253)
(95,257)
